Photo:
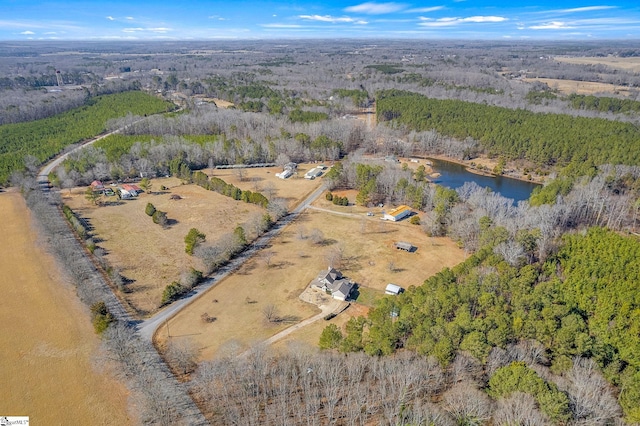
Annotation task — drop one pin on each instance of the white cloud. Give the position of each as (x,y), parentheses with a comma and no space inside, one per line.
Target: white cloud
(372,8)
(160,30)
(586,9)
(485,19)
(554,25)
(333,19)
(111,18)
(27,32)
(217,17)
(283,26)
(448,22)
(424,9)
(129,18)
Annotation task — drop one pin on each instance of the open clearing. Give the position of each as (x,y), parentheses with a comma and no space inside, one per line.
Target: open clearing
(368,257)
(627,64)
(47,340)
(150,256)
(263,179)
(568,87)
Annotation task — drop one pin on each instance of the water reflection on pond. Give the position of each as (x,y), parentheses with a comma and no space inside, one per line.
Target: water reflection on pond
(453,175)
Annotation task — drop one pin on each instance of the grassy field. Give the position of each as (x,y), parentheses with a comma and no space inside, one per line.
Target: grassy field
(150,256)
(367,256)
(628,64)
(568,87)
(48,369)
(292,189)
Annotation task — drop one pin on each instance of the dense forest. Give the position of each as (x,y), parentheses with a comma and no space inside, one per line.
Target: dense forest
(44,138)
(544,139)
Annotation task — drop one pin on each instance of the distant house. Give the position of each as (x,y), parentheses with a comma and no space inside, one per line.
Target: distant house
(124,194)
(397,214)
(291,166)
(403,245)
(96,185)
(393,289)
(332,281)
(133,190)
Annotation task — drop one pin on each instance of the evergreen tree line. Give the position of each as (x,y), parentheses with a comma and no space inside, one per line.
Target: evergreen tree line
(44,138)
(544,139)
(221,187)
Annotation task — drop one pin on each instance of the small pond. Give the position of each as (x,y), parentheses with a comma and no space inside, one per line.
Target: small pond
(453,175)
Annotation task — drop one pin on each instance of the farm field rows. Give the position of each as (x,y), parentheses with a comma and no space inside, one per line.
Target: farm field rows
(48,345)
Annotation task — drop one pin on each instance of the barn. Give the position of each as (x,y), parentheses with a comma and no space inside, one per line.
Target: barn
(397,214)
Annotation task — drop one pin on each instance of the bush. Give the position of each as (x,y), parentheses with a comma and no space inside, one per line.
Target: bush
(173,292)
(329,196)
(150,209)
(415,220)
(192,240)
(101,317)
(160,218)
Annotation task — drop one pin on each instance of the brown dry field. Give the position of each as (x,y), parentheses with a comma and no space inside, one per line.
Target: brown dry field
(627,64)
(568,87)
(367,244)
(48,369)
(149,255)
(293,189)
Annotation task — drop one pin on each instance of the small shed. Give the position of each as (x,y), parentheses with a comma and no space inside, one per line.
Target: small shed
(403,245)
(393,289)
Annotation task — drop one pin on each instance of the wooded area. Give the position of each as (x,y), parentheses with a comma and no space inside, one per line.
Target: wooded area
(539,325)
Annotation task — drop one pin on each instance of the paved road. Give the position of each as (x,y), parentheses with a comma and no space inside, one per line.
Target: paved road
(148,328)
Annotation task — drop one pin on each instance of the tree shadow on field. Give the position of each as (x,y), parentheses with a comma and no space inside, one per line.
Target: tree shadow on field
(327,242)
(171,222)
(247,268)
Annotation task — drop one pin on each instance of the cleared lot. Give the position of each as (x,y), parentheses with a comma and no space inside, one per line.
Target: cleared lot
(360,246)
(150,256)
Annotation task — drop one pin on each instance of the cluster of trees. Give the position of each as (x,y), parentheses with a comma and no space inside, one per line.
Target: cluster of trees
(308,388)
(604,103)
(221,187)
(544,139)
(211,137)
(44,138)
(580,302)
(159,217)
(336,199)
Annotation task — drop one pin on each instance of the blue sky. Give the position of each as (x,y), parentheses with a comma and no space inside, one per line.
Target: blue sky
(276,19)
